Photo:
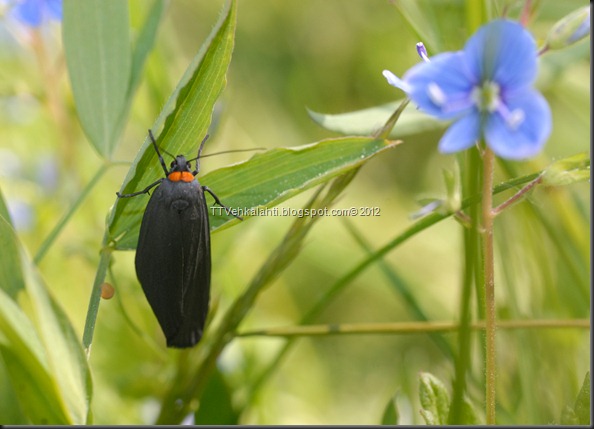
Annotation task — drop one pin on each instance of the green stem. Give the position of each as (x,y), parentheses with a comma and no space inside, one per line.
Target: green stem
(489,278)
(47,243)
(517,196)
(471,186)
(402,288)
(95,299)
(384,132)
(418,327)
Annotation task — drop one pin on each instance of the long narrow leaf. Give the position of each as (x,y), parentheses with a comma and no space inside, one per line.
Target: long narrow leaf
(144,44)
(66,358)
(24,356)
(269,178)
(22,353)
(369,121)
(11,276)
(97,47)
(45,360)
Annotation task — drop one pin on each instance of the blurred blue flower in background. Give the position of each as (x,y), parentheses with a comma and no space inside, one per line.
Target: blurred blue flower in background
(34,13)
(487,90)
(47,172)
(21,214)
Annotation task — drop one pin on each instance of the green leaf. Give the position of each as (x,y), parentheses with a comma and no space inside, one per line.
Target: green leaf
(216,406)
(431,20)
(568,416)
(369,121)
(186,117)
(271,177)
(582,402)
(98,55)
(66,358)
(470,415)
(390,416)
(4,209)
(10,410)
(144,44)
(435,401)
(25,358)
(50,377)
(11,276)
(418,18)
(27,367)
(453,188)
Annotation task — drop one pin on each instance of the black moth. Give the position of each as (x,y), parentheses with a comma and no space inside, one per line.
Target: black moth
(173,254)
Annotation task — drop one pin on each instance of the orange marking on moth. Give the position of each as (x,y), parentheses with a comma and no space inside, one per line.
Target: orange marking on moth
(180,176)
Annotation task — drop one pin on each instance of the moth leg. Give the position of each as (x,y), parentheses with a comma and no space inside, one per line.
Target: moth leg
(144,191)
(207,189)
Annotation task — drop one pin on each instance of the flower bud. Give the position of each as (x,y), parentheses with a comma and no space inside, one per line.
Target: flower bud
(422,51)
(566,171)
(569,30)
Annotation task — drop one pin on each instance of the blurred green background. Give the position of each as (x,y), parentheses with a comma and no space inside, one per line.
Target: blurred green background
(327,56)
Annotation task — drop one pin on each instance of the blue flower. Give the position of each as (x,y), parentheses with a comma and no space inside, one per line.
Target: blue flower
(487,90)
(34,13)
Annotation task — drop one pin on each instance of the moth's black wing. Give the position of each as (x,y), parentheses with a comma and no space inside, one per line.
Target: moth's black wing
(173,260)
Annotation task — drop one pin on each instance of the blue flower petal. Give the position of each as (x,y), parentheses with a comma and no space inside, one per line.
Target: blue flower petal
(29,12)
(54,8)
(527,139)
(503,52)
(462,134)
(487,90)
(395,81)
(34,13)
(443,86)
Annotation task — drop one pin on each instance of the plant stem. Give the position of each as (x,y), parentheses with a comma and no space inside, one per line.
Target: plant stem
(517,196)
(407,328)
(95,298)
(471,185)
(62,223)
(489,277)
